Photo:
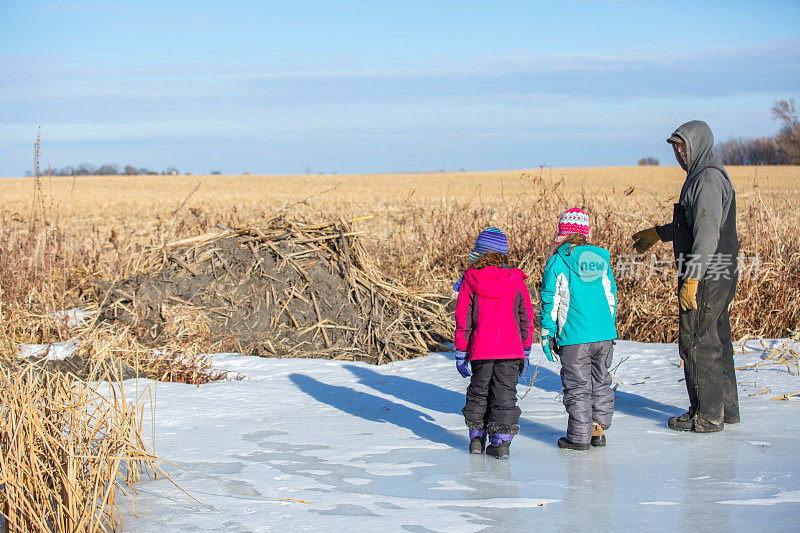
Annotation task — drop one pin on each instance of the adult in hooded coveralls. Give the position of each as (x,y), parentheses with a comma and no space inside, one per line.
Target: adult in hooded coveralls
(706,246)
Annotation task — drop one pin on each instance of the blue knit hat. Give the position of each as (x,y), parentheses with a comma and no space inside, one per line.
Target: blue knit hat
(489,240)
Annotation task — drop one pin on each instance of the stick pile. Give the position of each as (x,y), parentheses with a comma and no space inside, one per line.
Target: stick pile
(286,289)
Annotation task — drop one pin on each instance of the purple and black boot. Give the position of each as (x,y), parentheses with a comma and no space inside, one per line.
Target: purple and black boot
(477,441)
(499,445)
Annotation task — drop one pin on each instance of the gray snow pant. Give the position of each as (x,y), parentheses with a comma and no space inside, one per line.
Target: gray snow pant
(492,396)
(587,387)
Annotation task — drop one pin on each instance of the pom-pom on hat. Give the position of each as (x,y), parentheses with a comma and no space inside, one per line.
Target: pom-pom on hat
(489,240)
(574,220)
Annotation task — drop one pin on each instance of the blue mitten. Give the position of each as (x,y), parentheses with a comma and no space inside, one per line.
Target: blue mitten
(462,365)
(526,362)
(546,349)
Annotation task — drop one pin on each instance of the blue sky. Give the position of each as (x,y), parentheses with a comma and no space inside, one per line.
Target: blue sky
(374,86)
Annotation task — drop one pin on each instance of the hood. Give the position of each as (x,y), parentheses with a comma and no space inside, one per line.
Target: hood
(587,261)
(699,145)
(494,282)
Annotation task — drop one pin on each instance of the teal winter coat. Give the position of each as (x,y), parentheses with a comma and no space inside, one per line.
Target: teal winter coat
(579,296)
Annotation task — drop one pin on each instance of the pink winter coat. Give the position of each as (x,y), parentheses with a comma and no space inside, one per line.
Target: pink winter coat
(494,316)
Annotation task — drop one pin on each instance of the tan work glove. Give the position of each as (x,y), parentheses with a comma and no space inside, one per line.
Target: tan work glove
(688,294)
(645,239)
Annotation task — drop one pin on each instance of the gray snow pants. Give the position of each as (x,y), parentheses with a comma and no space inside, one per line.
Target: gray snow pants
(587,387)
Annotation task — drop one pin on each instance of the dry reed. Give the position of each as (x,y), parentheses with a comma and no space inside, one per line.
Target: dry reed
(66,451)
(429,245)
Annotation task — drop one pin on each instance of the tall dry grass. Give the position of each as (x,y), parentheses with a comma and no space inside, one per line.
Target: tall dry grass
(428,246)
(45,268)
(424,227)
(140,210)
(66,450)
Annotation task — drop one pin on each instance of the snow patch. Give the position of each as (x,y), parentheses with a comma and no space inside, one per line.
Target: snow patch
(57,351)
(791,496)
(356,480)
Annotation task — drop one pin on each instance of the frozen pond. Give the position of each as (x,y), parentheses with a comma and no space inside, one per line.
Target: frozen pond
(385,447)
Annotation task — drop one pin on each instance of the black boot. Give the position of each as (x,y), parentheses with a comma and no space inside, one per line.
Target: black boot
(477,440)
(701,425)
(501,451)
(499,445)
(685,422)
(477,445)
(564,442)
(598,435)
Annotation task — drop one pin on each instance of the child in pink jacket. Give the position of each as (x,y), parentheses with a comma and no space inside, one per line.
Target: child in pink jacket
(494,333)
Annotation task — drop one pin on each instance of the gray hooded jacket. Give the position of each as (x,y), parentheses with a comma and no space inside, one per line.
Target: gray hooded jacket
(706,197)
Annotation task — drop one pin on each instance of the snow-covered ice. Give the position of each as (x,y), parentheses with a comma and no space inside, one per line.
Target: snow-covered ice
(385,447)
(57,351)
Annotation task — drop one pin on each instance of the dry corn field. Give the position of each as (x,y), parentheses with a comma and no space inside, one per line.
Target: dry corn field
(61,238)
(423,228)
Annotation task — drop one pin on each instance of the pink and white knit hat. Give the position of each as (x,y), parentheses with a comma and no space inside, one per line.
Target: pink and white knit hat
(574,220)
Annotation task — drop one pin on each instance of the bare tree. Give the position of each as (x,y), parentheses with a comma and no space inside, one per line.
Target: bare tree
(788,138)
(107,170)
(84,169)
(759,151)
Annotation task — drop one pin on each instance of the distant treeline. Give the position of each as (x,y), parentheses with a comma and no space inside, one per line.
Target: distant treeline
(105,170)
(649,162)
(781,149)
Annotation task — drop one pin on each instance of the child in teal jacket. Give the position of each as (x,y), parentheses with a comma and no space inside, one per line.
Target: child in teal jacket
(579,309)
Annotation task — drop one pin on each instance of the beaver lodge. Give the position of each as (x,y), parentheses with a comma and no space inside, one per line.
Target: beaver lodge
(287,289)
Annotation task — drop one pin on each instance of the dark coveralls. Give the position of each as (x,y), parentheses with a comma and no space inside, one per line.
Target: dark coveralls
(706,246)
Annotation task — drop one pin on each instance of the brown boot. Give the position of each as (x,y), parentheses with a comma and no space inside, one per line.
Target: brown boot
(598,435)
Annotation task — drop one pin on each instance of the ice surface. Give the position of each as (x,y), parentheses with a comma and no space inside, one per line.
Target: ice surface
(385,447)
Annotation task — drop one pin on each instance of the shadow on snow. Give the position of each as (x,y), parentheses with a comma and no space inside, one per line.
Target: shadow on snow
(435,398)
(376,409)
(438,399)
